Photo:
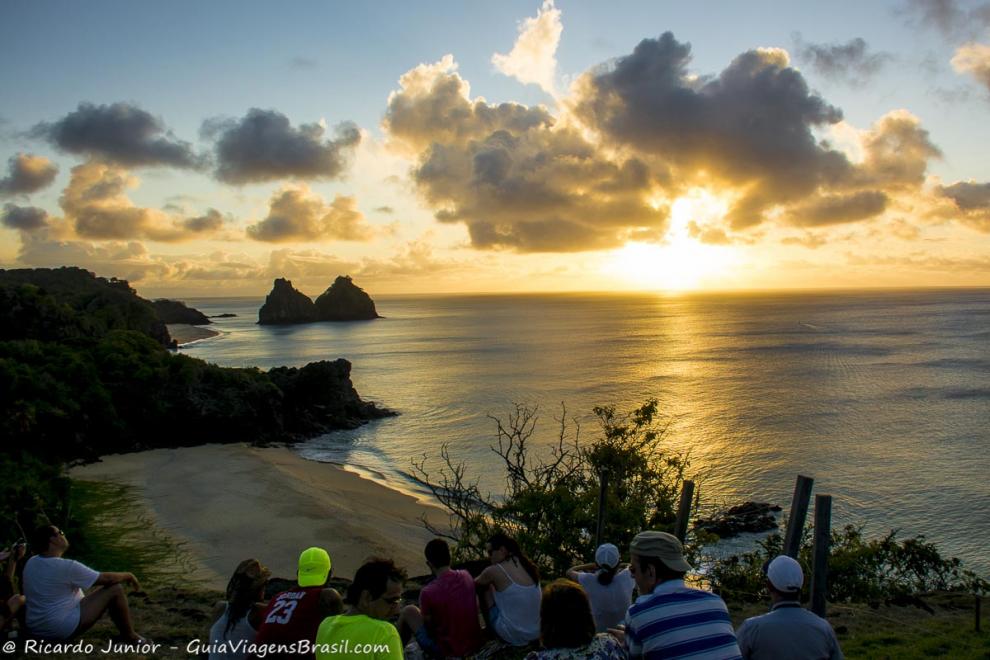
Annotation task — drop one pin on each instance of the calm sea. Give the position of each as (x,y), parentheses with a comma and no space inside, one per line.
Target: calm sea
(882,397)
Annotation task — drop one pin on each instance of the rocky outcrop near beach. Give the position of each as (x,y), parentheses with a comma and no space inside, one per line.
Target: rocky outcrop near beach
(749,517)
(176,311)
(345,301)
(285,305)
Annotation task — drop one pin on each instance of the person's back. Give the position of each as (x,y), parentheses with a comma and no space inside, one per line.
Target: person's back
(53,588)
(609,602)
(357,637)
(292,617)
(788,631)
(230,640)
(678,621)
(450,605)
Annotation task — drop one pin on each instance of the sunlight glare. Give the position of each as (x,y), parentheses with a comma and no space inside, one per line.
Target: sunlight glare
(682,262)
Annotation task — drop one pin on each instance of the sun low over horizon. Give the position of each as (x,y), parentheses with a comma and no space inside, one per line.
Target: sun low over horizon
(204,150)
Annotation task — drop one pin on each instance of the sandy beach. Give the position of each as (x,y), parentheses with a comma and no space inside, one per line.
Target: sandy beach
(183,333)
(225,503)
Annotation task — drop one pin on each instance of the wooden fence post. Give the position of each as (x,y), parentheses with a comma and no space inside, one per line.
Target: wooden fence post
(797,515)
(684,510)
(823,535)
(602,492)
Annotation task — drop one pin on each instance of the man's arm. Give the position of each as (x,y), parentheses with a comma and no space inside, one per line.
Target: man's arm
(580,568)
(109,579)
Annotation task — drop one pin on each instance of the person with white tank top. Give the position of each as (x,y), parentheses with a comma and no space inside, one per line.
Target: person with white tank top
(510,592)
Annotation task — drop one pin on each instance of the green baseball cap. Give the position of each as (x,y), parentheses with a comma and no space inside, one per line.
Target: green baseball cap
(314,567)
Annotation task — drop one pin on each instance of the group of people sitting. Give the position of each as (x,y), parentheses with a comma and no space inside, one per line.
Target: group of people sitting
(590,613)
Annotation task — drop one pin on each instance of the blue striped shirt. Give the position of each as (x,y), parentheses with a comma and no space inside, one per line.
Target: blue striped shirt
(676,621)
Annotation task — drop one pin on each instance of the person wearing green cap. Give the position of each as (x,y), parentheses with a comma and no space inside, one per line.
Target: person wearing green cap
(294,616)
(670,619)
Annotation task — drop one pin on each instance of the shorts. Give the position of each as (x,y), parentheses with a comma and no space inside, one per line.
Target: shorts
(427,643)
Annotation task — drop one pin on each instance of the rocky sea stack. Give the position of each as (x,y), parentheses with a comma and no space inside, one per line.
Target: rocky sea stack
(343,301)
(285,305)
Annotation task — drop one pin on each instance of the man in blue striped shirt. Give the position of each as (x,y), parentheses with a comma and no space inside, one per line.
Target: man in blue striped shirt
(669,619)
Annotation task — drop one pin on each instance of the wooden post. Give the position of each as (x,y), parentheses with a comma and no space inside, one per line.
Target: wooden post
(602,492)
(797,515)
(979,602)
(823,535)
(684,510)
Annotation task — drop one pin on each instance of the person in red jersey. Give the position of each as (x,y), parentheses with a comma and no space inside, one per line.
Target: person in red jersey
(294,616)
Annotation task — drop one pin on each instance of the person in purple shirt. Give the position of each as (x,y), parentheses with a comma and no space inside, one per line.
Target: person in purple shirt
(446,623)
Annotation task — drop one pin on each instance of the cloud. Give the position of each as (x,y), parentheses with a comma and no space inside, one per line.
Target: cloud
(837,209)
(849,62)
(304,63)
(948,16)
(750,127)
(119,133)
(263,146)
(971,202)
(974,59)
(387,210)
(810,240)
(433,104)
(27,174)
(24,218)
(298,214)
(512,177)
(127,260)
(532,59)
(97,207)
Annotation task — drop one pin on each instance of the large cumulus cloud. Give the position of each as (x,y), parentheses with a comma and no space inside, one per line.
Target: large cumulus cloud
(26,174)
(750,127)
(295,213)
(24,218)
(511,175)
(264,146)
(97,207)
(970,203)
(119,133)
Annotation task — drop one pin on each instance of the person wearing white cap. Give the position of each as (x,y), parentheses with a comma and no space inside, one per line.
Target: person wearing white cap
(788,630)
(609,586)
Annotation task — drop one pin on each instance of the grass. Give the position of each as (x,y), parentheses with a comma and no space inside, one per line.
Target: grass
(110,532)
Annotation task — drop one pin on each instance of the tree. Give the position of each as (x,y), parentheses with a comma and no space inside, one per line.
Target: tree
(550,502)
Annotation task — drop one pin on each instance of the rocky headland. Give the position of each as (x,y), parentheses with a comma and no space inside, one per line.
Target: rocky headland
(175,311)
(342,301)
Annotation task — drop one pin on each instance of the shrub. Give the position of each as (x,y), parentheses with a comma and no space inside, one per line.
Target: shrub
(550,503)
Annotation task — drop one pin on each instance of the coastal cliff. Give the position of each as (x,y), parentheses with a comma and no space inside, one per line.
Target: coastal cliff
(342,301)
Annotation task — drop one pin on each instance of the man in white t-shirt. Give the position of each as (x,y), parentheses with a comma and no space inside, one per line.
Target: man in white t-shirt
(609,586)
(56,605)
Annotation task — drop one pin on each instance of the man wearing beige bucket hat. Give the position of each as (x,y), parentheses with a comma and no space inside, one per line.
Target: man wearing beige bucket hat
(670,619)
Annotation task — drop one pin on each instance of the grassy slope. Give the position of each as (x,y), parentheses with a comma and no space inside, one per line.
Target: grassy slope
(173,610)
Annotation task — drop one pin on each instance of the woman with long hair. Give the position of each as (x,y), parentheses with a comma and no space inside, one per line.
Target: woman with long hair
(242,612)
(509,591)
(609,586)
(567,629)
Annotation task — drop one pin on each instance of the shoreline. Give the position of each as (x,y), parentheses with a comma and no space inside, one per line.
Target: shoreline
(184,333)
(225,503)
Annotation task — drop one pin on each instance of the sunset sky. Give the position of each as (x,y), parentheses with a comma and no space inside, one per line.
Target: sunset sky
(205,148)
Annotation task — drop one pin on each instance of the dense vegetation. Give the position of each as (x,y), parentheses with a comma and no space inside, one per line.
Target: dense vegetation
(84,371)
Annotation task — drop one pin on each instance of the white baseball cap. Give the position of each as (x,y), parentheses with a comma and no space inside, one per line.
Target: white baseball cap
(607,555)
(785,574)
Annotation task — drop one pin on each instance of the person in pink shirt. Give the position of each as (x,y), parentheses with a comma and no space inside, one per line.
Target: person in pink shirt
(446,623)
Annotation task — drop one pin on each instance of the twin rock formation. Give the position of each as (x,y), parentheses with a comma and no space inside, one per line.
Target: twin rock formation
(343,301)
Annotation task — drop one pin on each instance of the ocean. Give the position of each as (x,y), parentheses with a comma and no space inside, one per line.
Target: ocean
(883,397)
